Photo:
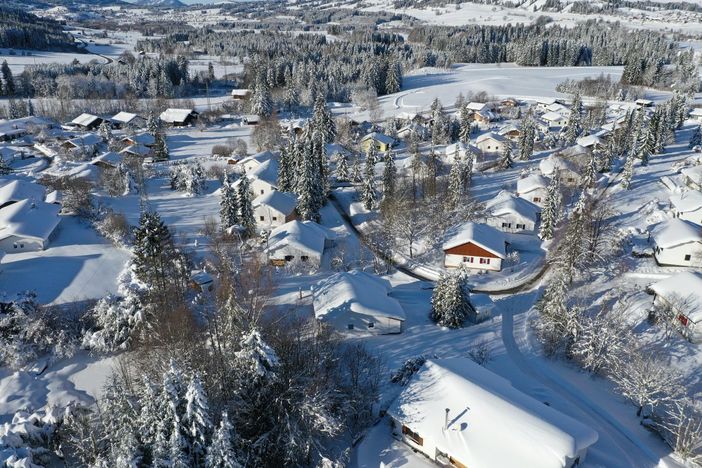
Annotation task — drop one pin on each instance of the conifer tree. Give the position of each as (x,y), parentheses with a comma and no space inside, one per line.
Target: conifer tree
(228,206)
(389,175)
(450,301)
(628,172)
(5,168)
(571,251)
(286,167)
(105,132)
(342,168)
(155,262)
(197,420)
(553,311)
(245,206)
(506,157)
(393,79)
(550,214)
(368,195)
(439,127)
(8,79)
(221,453)
(261,103)
(526,138)
(591,171)
(159,148)
(465,124)
(574,125)
(610,154)
(322,121)
(356,175)
(455,185)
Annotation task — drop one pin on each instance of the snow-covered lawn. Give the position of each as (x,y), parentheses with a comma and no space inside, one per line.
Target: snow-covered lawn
(78,265)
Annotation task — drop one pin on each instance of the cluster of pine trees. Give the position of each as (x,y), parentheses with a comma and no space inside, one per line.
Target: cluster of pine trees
(20,29)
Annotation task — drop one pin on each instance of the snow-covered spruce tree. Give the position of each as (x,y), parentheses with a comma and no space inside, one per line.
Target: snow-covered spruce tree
(551,213)
(197,420)
(628,172)
(153,125)
(228,206)
(601,339)
(322,121)
(261,102)
(221,452)
(157,263)
(342,168)
(310,187)
(506,157)
(356,173)
(553,313)
(695,139)
(574,124)
(590,176)
(450,301)
(393,77)
(456,185)
(439,127)
(159,148)
(526,138)
(245,206)
(115,322)
(465,124)
(368,195)
(389,175)
(5,168)
(610,154)
(572,249)
(105,132)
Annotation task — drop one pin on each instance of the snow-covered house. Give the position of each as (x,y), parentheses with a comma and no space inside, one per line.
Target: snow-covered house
(357,302)
(28,225)
(458,150)
(299,241)
(458,413)
(574,153)
(682,293)
(240,94)
(533,188)
(509,213)
(264,179)
(86,122)
(413,127)
(692,177)
(484,117)
(201,281)
(381,141)
(251,163)
(124,119)
(677,242)
(274,208)
(510,131)
(567,170)
(17,128)
(644,103)
(475,246)
(477,106)
(491,143)
(86,142)
(144,139)
(109,160)
(687,205)
(542,103)
(251,119)
(696,114)
(552,121)
(591,142)
(18,190)
(179,117)
(137,151)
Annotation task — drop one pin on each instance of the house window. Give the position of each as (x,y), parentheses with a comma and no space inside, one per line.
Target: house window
(506,225)
(350,326)
(570,179)
(275,218)
(537,199)
(467,259)
(484,261)
(261,191)
(304,258)
(521,226)
(683,320)
(413,436)
(371,325)
(289,258)
(688,257)
(262,218)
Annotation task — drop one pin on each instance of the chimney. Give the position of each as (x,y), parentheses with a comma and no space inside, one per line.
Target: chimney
(446,419)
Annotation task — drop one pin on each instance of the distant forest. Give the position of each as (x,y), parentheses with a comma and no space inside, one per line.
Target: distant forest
(22,30)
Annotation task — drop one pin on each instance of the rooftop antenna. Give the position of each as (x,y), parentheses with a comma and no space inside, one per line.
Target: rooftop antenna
(446,419)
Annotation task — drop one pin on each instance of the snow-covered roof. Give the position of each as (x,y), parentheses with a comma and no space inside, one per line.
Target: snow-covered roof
(377,136)
(572,151)
(490,136)
(258,157)
(85,171)
(267,172)
(674,232)
(684,287)
(507,129)
(458,147)
(552,116)
(145,139)
(55,196)
(590,140)
(7,152)
(200,277)
(505,203)
(693,173)
(284,202)
(85,120)
(354,292)
(306,236)
(532,182)
(557,107)
(547,101)
(8,127)
(111,158)
(89,139)
(482,235)
(476,106)
(241,92)
(176,115)
(123,117)
(138,150)
(687,201)
(490,423)
(696,112)
(17,190)
(549,166)
(29,219)
(335,148)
